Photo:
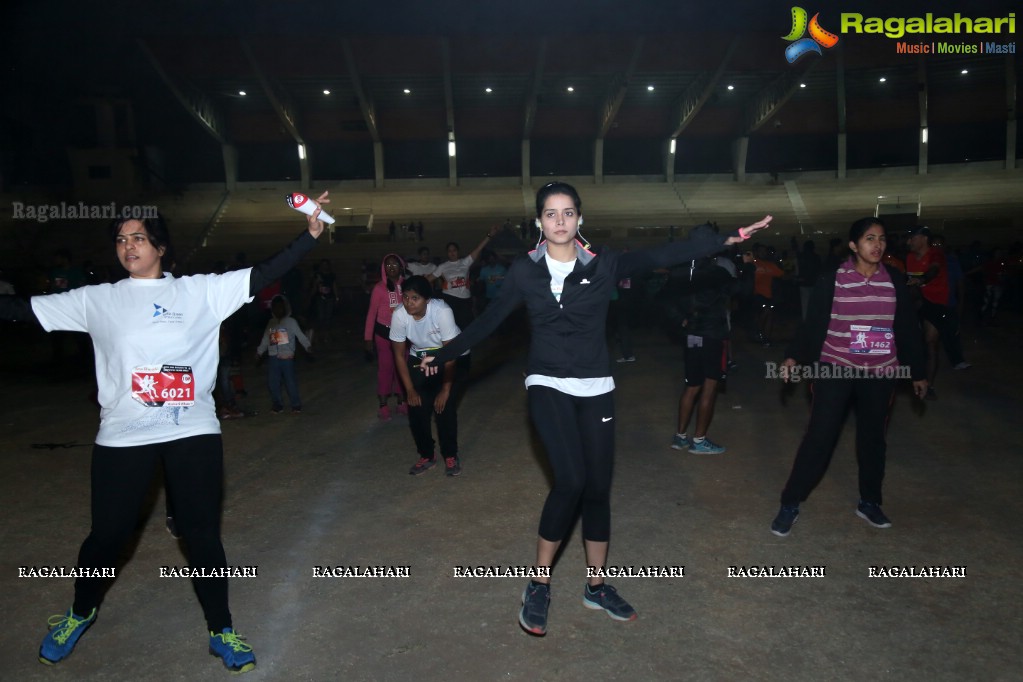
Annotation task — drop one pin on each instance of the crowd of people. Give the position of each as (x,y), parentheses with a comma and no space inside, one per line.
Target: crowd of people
(874,301)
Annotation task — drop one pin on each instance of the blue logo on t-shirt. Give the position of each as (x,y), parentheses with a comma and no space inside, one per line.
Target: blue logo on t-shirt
(160,310)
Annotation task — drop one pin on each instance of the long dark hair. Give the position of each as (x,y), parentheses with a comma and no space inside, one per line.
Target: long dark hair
(860,227)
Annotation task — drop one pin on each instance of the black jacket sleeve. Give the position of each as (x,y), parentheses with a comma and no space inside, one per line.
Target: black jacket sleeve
(508,298)
(909,337)
(703,241)
(805,348)
(276,266)
(15,308)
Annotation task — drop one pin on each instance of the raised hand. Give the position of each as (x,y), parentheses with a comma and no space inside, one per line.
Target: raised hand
(315,224)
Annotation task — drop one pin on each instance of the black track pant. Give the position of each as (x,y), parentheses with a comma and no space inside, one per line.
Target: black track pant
(872,401)
(578,434)
(194,470)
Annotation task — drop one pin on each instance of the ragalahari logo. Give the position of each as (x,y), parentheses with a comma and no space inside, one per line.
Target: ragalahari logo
(818,36)
(160,310)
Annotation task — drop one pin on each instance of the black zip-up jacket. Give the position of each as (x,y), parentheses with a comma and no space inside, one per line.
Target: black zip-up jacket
(568,338)
(909,341)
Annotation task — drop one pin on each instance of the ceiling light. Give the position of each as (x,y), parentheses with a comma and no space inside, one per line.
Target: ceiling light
(326,92)
(407,91)
(731,87)
(571,89)
(242,93)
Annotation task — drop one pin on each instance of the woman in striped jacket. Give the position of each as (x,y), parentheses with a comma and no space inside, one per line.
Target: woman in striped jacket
(859,334)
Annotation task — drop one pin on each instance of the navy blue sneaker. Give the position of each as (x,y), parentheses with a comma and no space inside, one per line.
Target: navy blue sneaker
(63,635)
(236,654)
(536,599)
(607,599)
(782,523)
(872,514)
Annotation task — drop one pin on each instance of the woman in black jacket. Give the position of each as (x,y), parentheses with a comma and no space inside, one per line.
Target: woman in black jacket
(860,334)
(566,289)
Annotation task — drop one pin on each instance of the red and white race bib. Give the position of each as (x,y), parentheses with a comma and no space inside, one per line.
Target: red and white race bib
(163,385)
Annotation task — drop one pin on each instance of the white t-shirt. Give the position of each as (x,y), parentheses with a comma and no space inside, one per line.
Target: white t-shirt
(436,327)
(582,388)
(456,276)
(157,349)
(424,269)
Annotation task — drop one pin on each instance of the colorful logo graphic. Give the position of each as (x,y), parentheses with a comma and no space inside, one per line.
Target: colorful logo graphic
(818,36)
(160,310)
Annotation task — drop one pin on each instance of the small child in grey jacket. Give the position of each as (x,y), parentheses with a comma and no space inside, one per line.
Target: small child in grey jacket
(279,342)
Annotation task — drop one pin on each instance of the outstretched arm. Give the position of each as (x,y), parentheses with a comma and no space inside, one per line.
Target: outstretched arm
(703,241)
(15,308)
(278,265)
(475,255)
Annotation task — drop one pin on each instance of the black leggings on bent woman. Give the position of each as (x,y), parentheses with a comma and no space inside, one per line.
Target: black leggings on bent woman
(578,434)
(121,477)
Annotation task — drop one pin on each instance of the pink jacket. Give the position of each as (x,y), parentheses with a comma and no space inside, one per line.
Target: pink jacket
(383,301)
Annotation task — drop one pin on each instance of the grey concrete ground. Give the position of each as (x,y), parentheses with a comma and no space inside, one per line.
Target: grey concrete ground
(329,487)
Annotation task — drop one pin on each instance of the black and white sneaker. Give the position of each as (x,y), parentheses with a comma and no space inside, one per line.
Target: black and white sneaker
(782,523)
(872,514)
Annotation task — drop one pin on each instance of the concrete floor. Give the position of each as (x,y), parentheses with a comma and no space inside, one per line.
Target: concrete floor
(329,487)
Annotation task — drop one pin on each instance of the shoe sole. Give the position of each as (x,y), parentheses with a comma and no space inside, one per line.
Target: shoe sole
(708,452)
(421,471)
(597,607)
(786,533)
(248,667)
(452,474)
(679,447)
(875,525)
(535,631)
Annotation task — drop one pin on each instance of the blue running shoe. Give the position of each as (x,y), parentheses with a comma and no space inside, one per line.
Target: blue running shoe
(236,654)
(536,599)
(680,442)
(706,447)
(607,598)
(63,635)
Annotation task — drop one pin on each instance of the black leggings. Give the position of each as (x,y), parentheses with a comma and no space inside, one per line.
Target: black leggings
(419,417)
(579,435)
(872,401)
(194,469)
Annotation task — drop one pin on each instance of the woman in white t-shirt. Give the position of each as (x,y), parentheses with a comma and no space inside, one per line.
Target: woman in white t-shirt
(420,324)
(156,343)
(454,276)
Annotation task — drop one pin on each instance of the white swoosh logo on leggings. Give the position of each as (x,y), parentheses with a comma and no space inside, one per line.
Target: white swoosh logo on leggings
(606,419)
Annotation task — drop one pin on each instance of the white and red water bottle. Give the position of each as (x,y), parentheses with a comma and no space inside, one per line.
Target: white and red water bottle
(301,202)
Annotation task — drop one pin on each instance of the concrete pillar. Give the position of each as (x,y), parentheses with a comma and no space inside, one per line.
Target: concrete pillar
(230,166)
(526,176)
(739,150)
(842,157)
(378,164)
